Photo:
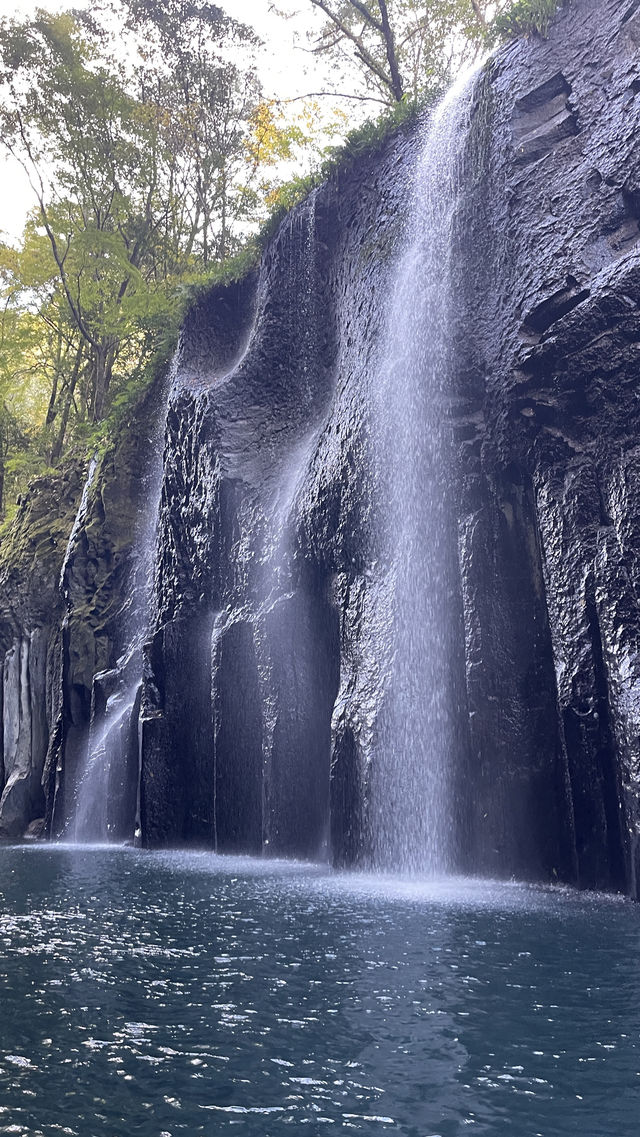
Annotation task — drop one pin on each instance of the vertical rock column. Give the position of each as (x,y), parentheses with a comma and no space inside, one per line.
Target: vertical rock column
(25,733)
(518,810)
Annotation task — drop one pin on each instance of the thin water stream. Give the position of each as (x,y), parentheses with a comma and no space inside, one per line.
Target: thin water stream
(105,795)
(173,993)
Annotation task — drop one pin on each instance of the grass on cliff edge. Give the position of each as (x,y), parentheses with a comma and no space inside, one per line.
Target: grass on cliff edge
(524,18)
(363,140)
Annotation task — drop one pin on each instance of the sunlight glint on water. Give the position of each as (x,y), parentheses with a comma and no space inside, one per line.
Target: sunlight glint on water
(187,993)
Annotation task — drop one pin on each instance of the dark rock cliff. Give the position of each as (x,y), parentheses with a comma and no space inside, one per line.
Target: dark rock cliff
(263,669)
(66,576)
(549,494)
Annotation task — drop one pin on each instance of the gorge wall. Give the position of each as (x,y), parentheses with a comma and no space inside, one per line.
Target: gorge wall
(267,659)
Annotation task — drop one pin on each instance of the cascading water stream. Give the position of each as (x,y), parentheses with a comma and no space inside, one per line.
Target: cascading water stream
(411,803)
(106,786)
(293,782)
(79,519)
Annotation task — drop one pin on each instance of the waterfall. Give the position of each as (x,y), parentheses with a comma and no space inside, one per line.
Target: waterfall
(411,791)
(78,522)
(295,773)
(107,779)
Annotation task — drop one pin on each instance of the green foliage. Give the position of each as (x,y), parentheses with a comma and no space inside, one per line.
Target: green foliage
(415,48)
(362,140)
(401,48)
(145,179)
(371,134)
(523,18)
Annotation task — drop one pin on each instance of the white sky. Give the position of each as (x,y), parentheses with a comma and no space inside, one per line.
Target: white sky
(286,69)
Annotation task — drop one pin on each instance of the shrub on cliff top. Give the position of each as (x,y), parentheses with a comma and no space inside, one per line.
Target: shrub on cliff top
(362,140)
(523,18)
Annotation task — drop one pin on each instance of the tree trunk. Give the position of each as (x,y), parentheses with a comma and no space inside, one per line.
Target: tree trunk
(223,219)
(390,47)
(103,361)
(56,449)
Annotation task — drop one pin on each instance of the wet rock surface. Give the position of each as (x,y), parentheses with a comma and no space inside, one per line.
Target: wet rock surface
(66,576)
(544,413)
(557,344)
(268,657)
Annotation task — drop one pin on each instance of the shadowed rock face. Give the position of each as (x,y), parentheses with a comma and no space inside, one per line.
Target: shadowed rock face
(267,663)
(548,489)
(63,589)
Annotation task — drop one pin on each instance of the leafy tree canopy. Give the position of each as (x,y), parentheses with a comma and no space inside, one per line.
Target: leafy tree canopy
(143,132)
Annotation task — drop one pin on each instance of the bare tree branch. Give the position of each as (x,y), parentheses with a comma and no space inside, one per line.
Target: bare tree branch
(480,15)
(368,16)
(337,95)
(363,54)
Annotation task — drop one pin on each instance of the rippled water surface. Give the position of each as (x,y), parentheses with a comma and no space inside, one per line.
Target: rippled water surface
(166,994)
